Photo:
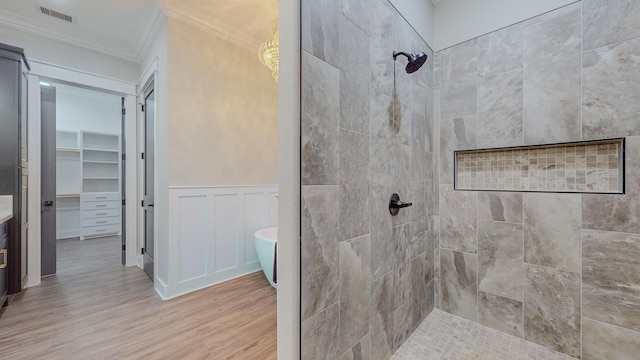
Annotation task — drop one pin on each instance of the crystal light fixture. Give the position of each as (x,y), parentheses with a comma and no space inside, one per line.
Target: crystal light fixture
(269,52)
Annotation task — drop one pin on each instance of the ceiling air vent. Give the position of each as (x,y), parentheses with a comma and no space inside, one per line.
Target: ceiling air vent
(56,14)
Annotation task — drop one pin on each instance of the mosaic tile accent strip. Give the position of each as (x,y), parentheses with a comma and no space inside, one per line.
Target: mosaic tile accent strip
(444,336)
(585,167)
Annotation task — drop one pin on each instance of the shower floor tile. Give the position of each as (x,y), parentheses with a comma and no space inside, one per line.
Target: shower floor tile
(442,336)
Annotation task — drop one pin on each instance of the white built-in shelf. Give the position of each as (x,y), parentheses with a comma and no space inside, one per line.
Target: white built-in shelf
(100,162)
(68,150)
(101,150)
(88,178)
(67,196)
(67,139)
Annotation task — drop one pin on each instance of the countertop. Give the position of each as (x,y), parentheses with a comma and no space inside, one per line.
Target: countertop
(6,208)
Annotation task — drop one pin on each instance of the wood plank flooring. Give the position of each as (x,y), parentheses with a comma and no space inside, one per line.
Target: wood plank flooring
(95,308)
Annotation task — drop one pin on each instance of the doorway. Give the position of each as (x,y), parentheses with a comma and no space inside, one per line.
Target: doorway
(148,156)
(82,132)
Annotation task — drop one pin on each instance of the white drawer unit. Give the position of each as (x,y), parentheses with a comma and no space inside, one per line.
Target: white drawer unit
(95,231)
(99,197)
(100,205)
(88,214)
(101,221)
(100,214)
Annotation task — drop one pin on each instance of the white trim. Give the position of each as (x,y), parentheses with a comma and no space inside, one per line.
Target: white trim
(34,152)
(146,32)
(130,137)
(153,19)
(83,79)
(24,24)
(211,235)
(289,182)
(40,70)
(178,187)
(219,32)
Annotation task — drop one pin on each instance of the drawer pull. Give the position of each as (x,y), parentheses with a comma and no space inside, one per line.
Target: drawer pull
(101,214)
(101,230)
(101,197)
(101,222)
(4,258)
(101,206)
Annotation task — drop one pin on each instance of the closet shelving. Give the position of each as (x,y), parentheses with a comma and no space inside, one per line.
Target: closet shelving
(88,179)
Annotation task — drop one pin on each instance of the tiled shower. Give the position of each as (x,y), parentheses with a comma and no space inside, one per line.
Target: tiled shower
(558,269)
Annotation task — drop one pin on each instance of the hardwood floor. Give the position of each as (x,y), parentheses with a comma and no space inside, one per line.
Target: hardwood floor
(95,308)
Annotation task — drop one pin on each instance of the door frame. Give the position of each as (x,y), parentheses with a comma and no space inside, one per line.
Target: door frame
(149,84)
(42,71)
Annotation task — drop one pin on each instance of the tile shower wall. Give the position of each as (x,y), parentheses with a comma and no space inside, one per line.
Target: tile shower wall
(587,167)
(367,277)
(560,270)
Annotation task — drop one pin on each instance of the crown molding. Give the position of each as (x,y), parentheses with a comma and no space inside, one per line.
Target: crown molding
(154,16)
(20,23)
(215,30)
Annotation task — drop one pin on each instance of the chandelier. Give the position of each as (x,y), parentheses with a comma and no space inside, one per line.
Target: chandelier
(269,52)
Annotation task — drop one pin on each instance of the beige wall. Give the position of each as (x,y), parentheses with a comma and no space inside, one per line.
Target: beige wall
(222,112)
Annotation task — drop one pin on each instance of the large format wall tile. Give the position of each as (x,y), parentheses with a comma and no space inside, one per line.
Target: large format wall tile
(382,317)
(459,284)
(552,309)
(500,206)
(552,226)
(320,335)
(500,51)
(320,30)
(500,313)
(358,11)
(354,184)
(553,122)
(607,22)
(605,341)
(383,123)
(359,351)
(354,291)
(354,77)
(619,212)
(459,97)
(319,129)
(401,265)
(320,273)
(500,110)
(382,240)
(457,134)
(458,219)
(552,57)
(500,258)
(459,82)
(402,325)
(382,35)
(611,277)
(611,78)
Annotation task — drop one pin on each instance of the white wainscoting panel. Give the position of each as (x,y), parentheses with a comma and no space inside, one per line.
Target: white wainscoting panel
(193,237)
(211,233)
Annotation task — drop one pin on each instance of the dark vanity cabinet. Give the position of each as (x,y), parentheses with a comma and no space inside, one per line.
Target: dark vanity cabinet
(13,161)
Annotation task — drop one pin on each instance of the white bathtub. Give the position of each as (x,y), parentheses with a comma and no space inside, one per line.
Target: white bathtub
(266,247)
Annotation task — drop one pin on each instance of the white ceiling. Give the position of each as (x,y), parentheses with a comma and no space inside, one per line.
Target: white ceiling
(124,28)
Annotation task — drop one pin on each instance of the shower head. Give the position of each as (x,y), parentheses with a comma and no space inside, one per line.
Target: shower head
(415,60)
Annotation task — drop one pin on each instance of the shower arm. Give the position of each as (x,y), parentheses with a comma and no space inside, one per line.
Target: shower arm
(395,54)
